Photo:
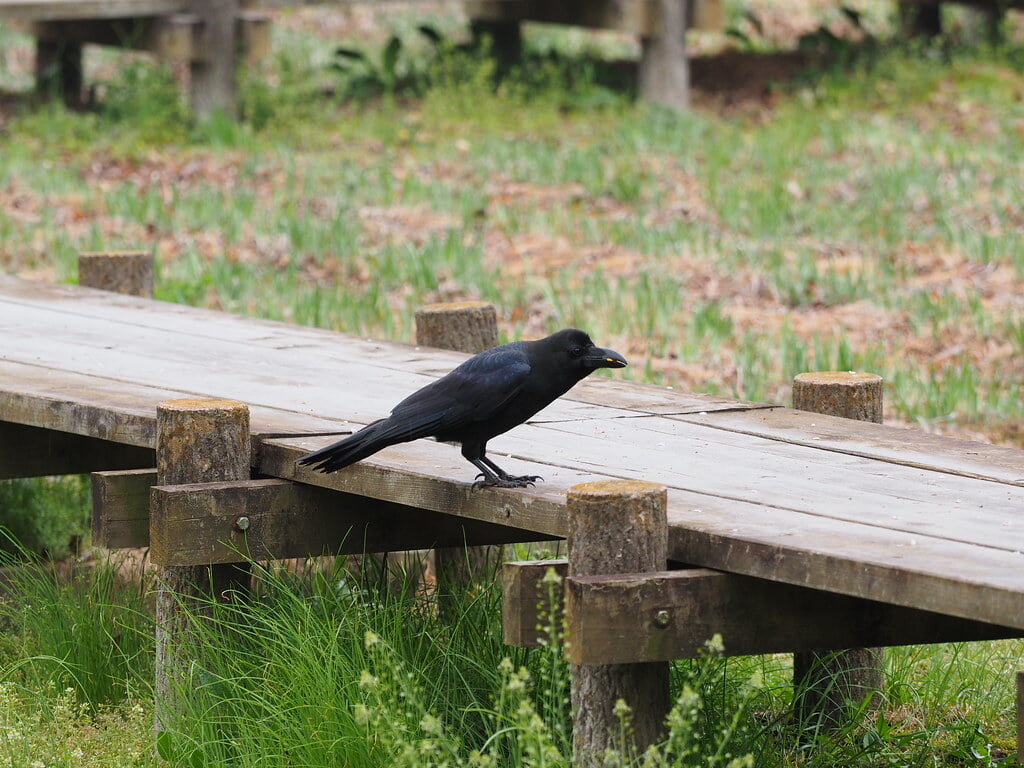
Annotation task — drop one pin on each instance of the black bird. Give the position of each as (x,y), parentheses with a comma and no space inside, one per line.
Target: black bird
(488,394)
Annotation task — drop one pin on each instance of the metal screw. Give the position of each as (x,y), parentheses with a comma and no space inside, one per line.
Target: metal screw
(662,619)
(241,523)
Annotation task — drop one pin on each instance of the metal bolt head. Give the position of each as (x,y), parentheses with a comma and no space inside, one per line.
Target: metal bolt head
(662,619)
(242,523)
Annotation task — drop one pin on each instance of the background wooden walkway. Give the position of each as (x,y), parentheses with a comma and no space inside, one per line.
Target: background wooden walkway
(846,507)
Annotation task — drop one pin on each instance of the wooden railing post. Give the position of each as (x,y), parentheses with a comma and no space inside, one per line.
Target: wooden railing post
(467,326)
(616,527)
(828,683)
(664,69)
(129,272)
(198,440)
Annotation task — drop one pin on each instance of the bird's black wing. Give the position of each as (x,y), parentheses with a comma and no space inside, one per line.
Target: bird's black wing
(471,393)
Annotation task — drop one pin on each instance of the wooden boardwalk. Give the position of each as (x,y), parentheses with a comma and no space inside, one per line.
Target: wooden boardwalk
(841,506)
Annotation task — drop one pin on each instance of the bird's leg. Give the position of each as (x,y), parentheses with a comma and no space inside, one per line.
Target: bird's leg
(491,475)
(507,480)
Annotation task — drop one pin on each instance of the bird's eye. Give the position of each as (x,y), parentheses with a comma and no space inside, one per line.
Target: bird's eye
(576,351)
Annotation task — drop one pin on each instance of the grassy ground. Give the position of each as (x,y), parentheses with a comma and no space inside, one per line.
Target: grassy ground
(864,216)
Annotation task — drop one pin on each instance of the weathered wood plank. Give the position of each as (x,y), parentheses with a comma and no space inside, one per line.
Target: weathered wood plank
(531,600)
(631,16)
(120,508)
(265,343)
(898,445)
(673,614)
(619,618)
(118,411)
(432,477)
(785,475)
(981,583)
(294,377)
(203,523)
(27,451)
(46,10)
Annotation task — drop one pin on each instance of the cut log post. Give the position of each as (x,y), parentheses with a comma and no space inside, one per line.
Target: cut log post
(128,272)
(468,326)
(828,684)
(1020,717)
(463,326)
(616,527)
(198,441)
(212,85)
(664,69)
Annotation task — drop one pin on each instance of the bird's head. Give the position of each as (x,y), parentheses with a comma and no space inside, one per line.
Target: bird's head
(582,352)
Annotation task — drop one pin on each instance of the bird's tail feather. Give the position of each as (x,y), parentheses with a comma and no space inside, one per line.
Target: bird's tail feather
(362,444)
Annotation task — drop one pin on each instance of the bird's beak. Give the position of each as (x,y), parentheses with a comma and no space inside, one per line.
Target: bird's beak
(604,358)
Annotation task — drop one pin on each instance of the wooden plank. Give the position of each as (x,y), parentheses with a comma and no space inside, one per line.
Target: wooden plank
(171,37)
(614,619)
(530,602)
(118,411)
(630,16)
(260,376)
(785,475)
(120,508)
(27,451)
(269,519)
(980,583)
(51,10)
(341,358)
(910,447)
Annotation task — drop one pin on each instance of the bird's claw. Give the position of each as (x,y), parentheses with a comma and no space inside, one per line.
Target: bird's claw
(509,481)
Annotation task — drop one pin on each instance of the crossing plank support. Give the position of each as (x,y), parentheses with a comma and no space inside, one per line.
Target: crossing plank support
(223,522)
(667,615)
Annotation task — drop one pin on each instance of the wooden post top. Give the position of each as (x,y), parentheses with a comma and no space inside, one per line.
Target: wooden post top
(201,404)
(455,306)
(849,378)
(601,490)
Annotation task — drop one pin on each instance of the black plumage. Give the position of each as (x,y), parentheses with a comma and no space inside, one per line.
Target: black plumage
(488,394)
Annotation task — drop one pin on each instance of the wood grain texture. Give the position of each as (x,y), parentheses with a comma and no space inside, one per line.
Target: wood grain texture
(616,527)
(528,605)
(120,508)
(129,272)
(197,524)
(829,684)
(199,440)
(27,451)
(40,10)
(674,614)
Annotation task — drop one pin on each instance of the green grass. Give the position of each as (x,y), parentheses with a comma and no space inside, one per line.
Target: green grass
(323,668)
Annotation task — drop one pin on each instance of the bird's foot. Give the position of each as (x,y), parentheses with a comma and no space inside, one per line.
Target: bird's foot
(508,481)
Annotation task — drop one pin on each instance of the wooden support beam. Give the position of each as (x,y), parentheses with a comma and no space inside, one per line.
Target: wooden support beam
(637,17)
(465,326)
(27,451)
(128,272)
(173,37)
(212,86)
(525,597)
(664,73)
(614,527)
(120,508)
(227,522)
(829,684)
(198,440)
(672,615)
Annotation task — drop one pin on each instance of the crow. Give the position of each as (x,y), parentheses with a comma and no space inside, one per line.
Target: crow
(488,394)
